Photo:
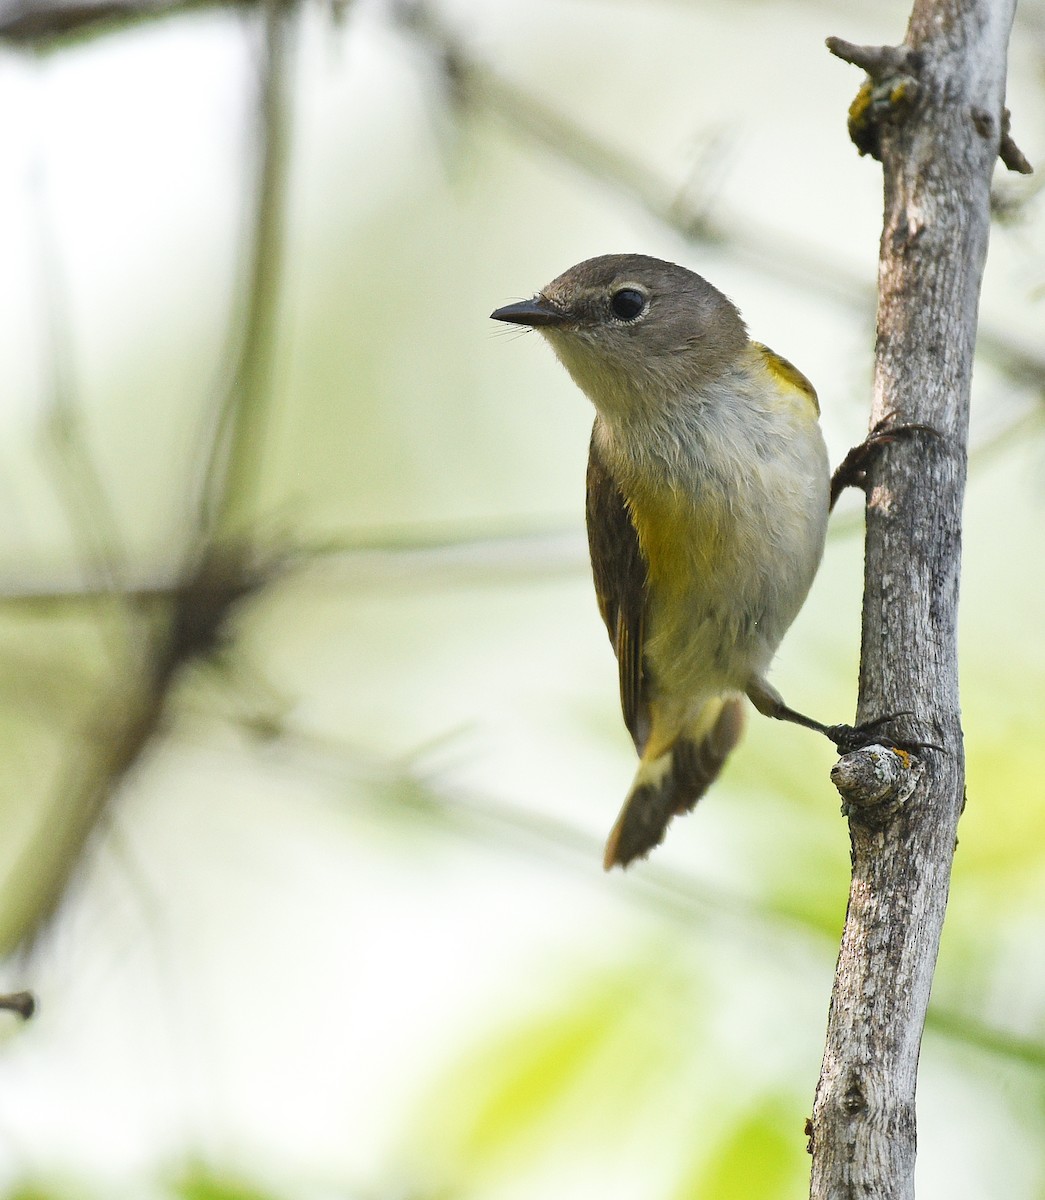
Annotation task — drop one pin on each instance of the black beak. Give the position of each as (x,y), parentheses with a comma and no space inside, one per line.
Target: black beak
(530,312)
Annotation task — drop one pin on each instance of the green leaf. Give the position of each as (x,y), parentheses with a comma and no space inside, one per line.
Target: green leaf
(764,1156)
(199,1182)
(585,1068)
(35,1191)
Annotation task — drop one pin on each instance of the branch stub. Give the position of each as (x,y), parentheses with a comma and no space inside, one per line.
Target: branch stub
(875,782)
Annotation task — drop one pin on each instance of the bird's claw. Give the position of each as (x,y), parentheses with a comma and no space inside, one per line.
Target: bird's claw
(847,738)
(852,471)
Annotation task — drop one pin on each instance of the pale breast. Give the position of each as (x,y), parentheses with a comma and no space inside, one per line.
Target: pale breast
(733,542)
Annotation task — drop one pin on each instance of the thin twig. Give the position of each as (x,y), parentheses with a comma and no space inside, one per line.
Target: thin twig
(877,61)
(229,486)
(86,503)
(22,1003)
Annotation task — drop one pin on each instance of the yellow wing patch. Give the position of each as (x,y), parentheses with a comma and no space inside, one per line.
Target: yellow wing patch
(787,373)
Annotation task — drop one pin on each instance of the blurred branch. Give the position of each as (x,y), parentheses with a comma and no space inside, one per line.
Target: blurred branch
(188,615)
(46,27)
(405,787)
(437,553)
(976,1035)
(477,87)
(221,571)
(82,494)
(229,486)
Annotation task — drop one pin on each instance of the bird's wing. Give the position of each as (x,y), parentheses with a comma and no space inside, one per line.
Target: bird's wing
(619,569)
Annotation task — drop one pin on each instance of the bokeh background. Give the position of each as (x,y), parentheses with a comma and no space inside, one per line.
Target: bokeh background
(309,726)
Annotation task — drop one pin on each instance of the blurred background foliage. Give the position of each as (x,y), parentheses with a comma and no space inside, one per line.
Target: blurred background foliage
(309,726)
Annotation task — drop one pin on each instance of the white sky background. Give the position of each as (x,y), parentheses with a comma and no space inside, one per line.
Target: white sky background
(256,967)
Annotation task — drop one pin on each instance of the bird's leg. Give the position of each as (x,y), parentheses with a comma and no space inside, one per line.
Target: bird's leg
(852,471)
(845,738)
(770,703)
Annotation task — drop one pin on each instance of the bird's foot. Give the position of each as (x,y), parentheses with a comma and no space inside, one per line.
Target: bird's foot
(852,471)
(847,738)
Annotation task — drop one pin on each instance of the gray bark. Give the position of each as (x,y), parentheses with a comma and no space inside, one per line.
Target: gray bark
(932,111)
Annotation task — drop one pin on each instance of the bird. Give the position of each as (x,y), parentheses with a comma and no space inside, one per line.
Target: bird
(708,495)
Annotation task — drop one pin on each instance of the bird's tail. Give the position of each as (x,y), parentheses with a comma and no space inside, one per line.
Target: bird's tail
(674,781)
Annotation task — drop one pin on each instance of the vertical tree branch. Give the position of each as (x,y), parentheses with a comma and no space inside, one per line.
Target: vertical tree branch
(932,111)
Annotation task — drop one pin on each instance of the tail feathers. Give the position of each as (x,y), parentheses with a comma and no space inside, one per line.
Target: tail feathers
(672,783)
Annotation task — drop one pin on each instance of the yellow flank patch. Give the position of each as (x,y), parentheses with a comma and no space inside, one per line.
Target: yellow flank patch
(677,540)
(787,373)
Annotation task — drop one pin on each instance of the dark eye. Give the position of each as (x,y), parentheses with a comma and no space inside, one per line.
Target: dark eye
(627,304)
